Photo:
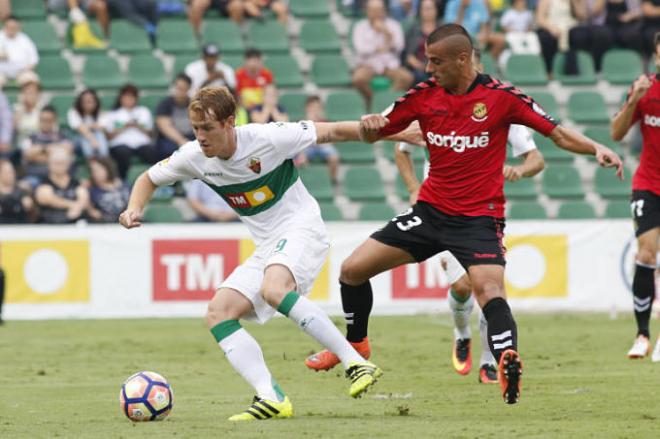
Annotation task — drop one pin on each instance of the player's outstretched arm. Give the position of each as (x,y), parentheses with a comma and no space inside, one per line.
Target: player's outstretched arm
(532,164)
(404,164)
(142,191)
(574,141)
(332,132)
(623,119)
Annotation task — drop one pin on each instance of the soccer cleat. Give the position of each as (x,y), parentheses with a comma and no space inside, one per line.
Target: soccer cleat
(326,360)
(262,409)
(655,357)
(461,356)
(362,374)
(488,374)
(640,347)
(508,374)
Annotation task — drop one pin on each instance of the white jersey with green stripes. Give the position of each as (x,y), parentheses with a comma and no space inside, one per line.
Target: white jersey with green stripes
(259,181)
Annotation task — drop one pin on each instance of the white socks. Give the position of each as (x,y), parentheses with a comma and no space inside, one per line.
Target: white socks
(460,311)
(486,355)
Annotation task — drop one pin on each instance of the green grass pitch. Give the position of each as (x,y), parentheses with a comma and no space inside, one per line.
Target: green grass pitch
(62,379)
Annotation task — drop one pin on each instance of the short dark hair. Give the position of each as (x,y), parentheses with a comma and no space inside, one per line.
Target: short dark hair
(311,99)
(109,166)
(128,89)
(447,30)
(49,109)
(252,53)
(183,77)
(477,53)
(12,17)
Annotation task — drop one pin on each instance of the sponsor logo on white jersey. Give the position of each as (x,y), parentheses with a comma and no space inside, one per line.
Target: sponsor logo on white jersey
(458,143)
(653,121)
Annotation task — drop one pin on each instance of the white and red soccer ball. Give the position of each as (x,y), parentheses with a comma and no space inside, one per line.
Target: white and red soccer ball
(146,396)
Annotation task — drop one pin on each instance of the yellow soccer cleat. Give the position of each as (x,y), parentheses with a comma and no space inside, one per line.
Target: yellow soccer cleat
(363,375)
(262,409)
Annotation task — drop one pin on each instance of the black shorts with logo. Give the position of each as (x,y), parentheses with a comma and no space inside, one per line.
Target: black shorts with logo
(645,206)
(424,231)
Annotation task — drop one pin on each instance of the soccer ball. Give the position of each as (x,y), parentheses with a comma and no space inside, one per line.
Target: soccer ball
(146,396)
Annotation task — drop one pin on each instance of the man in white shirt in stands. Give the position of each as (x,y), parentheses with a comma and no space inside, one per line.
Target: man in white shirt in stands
(17,51)
(210,71)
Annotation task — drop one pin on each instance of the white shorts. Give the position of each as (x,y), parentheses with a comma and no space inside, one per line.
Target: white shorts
(302,251)
(453,268)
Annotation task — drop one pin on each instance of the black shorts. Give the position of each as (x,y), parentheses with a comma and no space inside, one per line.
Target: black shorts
(424,231)
(221,5)
(645,206)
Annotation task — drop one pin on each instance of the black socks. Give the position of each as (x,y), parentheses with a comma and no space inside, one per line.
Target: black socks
(502,331)
(643,294)
(357,302)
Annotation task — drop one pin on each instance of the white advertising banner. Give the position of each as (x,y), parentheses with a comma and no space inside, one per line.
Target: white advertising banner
(172,270)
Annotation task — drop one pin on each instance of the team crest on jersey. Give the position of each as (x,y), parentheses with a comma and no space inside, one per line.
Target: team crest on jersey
(255,165)
(479,112)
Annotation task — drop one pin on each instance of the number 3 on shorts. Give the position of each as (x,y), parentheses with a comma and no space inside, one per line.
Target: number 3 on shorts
(637,208)
(413,222)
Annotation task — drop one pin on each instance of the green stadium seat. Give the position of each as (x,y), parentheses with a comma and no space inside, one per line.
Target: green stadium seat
(588,107)
(363,183)
(147,72)
(319,36)
(162,214)
(562,181)
(268,36)
(618,209)
(608,185)
(527,210)
(62,103)
(330,71)
(102,72)
(384,99)
(225,34)
(43,35)
(548,102)
(526,70)
(182,60)
(522,189)
(376,212)
(576,210)
(400,187)
(356,152)
(550,151)
(621,66)
(176,36)
(294,104)
(29,9)
(151,101)
(55,73)
(108,100)
(134,171)
(317,180)
(126,37)
(330,212)
(490,66)
(586,76)
(234,61)
(344,105)
(82,172)
(601,134)
(285,70)
(309,8)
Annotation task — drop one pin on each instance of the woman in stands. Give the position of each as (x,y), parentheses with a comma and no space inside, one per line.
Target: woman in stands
(84,119)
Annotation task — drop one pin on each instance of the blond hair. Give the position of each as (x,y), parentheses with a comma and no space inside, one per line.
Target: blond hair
(215,102)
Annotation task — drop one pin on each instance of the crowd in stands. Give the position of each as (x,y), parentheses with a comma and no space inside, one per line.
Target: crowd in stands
(41,157)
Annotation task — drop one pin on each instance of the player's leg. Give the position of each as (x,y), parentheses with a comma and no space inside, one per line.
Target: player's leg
(487,363)
(362,76)
(245,355)
(196,12)
(461,305)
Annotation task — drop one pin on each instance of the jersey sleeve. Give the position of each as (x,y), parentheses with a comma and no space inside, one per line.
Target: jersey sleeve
(290,138)
(177,167)
(400,114)
(521,140)
(525,111)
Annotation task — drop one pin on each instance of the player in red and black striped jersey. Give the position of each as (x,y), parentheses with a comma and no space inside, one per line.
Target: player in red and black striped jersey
(643,105)
(464,117)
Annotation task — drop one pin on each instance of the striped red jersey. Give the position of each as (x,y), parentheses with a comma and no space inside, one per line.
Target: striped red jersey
(647,112)
(466,136)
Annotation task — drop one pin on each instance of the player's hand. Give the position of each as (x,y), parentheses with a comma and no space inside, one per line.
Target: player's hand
(130,218)
(512,173)
(640,87)
(609,159)
(370,125)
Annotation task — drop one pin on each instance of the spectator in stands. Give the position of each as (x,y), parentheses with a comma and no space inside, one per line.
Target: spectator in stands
(15,204)
(554,19)
(210,71)
(624,18)
(17,51)
(97,8)
(108,194)
(379,43)
(129,128)
(404,10)
(6,128)
(233,9)
(207,204)
(591,35)
(517,23)
(252,79)
(85,119)
(37,148)
(474,16)
(651,20)
(142,13)
(174,128)
(415,52)
(269,110)
(60,197)
(255,9)
(28,107)
(326,152)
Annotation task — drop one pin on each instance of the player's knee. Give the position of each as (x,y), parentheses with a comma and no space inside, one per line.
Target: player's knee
(350,273)
(273,295)
(646,256)
(462,287)
(487,291)
(219,311)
